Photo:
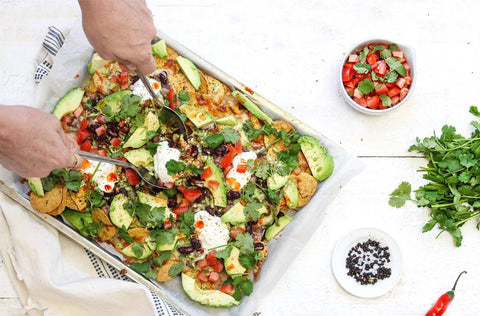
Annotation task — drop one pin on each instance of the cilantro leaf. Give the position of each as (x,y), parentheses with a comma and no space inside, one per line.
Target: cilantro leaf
(214,140)
(150,216)
(247,261)
(122,232)
(176,269)
(244,242)
(130,105)
(231,136)
(143,267)
(251,211)
(400,195)
(186,223)
(474,110)
(386,101)
(366,86)
(363,54)
(385,53)
(396,65)
(137,249)
(362,68)
(173,166)
(262,169)
(163,236)
(183,95)
(224,253)
(162,257)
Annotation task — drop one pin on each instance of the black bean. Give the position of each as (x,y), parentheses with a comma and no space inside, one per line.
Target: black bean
(185,250)
(194,151)
(258,246)
(172,144)
(172,202)
(92,127)
(221,150)
(210,210)
(233,195)
(135,79)
(208,151)
(280,214)
(123,191)
(163,77)
(195,243)
(112,132)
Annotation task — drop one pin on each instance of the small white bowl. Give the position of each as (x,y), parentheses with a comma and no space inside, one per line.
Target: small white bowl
(409,54)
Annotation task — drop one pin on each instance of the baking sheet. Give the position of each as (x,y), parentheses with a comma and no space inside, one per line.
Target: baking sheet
(69,71)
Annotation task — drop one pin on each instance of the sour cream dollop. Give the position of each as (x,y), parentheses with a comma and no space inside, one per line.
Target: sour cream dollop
(237,179)
(105,177)
(139,89)
(160,159)
(211,231)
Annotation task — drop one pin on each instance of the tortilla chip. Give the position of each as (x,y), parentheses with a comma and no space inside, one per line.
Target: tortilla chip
(268,139)
(138,233)
(50,201)
(77,200)
(108,229)
(303,165)
(162,272)
(203,83)
(306,185)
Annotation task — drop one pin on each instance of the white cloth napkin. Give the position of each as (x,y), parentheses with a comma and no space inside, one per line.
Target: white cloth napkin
(52,274)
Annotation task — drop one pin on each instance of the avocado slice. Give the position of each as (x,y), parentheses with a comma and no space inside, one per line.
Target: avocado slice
(139,157)
(154,201)
(318,158)
(119,216)
(190,70)
(197,115)
(79,220)
(68,103)
(276,181)
(232,263)
(137,139)
(291,194)
(36,186)
(114,100)
(236,215)
(213,298)
(228,120)
(219,193)
(147,252)
(273,230)
(151,122)
(95,63)
(252,107)
(159,49)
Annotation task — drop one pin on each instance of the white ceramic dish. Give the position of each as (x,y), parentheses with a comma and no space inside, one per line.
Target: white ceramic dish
(409,54)
(348,283)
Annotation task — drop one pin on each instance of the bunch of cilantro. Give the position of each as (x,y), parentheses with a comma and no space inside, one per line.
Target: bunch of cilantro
(453,172)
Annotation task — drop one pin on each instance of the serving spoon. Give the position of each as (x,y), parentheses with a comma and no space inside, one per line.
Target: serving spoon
(142,172)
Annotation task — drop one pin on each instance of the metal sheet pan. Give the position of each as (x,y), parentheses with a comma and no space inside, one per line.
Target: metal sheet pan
(281,250)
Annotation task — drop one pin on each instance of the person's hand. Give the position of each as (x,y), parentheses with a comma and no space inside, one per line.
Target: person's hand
(32,142)
(120,30)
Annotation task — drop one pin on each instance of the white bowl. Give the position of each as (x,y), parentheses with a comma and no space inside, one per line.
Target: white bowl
(409,54)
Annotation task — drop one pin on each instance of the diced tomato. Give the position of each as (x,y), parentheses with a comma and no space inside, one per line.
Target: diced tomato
(373,102)
(353,58)
(226,160)
(357,93)
(192,195)
(124,81)
(171,99)
(202,276)
(235,231)
(347,72)
(395,100)
(78,111)
(213,277)
(180,210)
(132,177)
(403,93)
(115,142)
(84,124)
(207,172)
(83,134)
(349,91)
(402,59)
(407,68)
(218,267)
(211,259)
(371,59)
(381,68)
(181,188)
(393,92)
(212,184)
(202,263)
(86,145)
(184,202)
(242,167)
(100,130)
(101,119)
(381,89)
(238,147)
(397,53)
(167,224)
(67,119)
(228,289)
(102,152)
(115,78)
(401,83)
(408,80)
(362,101)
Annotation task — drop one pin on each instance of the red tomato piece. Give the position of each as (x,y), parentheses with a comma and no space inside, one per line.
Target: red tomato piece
(226,160)
(353,58)
(381,89)
(124,81)
(212,184)
(242,167)
(78,111)
(371,59)
(100,130)
(86,145)
(397,53)
(84,124)
(403,93)
(228,289)
(238,147)
(381,68)
(235,231)
(211,259)
(207,172)
(115,78)
(347,72)
(202,263)
(349,90)
(395,100)
(202,276)
(167,224)
(408,80)
(192,195)
(393,92)
(181,188)
(180,210)
(401,83)
(218,267)
(115,142)
(101,119)
(184,202)
(213,277)
(362,101)
(132,177)
(373,102)
(171,99)
(83,134)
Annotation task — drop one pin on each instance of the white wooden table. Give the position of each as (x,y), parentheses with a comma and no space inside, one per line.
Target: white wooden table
(289,52)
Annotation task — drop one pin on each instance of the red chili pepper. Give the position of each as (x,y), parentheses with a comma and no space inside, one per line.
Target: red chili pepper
(444,300)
